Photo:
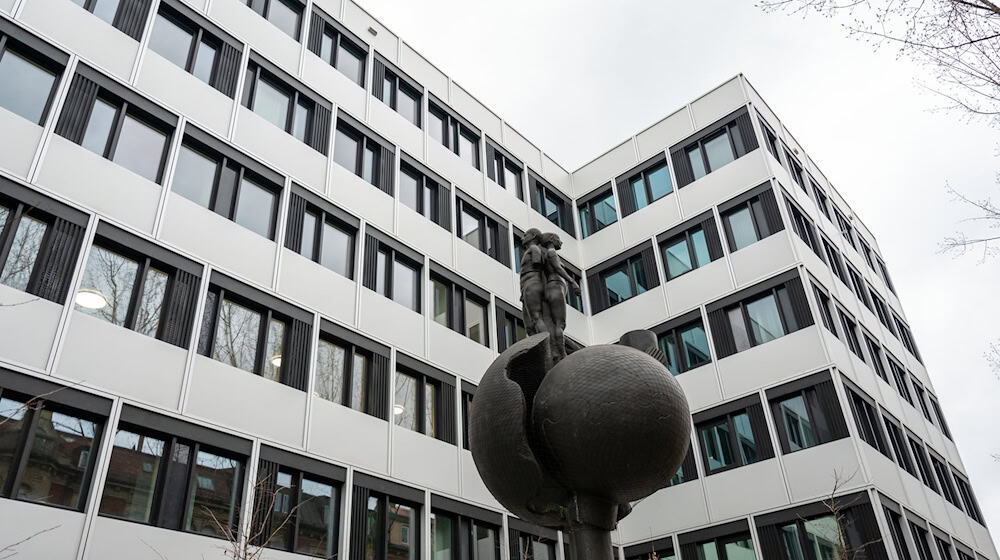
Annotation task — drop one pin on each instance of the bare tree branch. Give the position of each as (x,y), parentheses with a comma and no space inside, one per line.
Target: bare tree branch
(10,550)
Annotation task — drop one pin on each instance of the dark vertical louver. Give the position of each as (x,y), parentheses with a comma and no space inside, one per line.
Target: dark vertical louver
(131,17)
(626,198)
(378,78)
(448,427)
(598,296)
(761,435)
(295,362)
(263,502)
(207,330)
(296,219)
(689,466)
(689,551)
(378,390)
(320,133)
(359,523)
(829,404)
(180,307)
(771,212)
(501,339)
(370,263)
(771,545)
(316,28)
(385,170)
(682,167)
(444,207)
(491,162)
(258,6)
(503,245)
(533,194)
(745,126)
(76,109)
(59,253)
(712,238)
(800,305)
(514,544)
(227,70)
(722,333)
(649,268)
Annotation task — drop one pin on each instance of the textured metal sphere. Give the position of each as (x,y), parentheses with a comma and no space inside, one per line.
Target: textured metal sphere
(611,421)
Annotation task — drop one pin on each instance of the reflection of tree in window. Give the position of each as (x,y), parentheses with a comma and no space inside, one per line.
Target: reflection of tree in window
(399,523)
(113,277)
(236,336)
(53,475)
(12,415)
(330,371)
(23,252)
(212,498)
(132,474)
(405,409)
(798,426)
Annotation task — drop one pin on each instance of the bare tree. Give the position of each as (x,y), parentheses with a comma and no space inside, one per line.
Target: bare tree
(837,506)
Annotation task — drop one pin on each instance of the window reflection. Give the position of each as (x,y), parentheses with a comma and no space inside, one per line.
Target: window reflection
(154,290)
(12,422)
(430,408)
(765,321)
(405,408)
(25,87)
(194,176)
(273,350)
(108,280)
(98,131)
(400,528)
(61,446)
(442,537)
(798,425)
(317,519)
(404,285)
(236,336)
(330,371)
(255,207)
(214,494)
(132,473)
(23,253)
(140,148)
(475,321)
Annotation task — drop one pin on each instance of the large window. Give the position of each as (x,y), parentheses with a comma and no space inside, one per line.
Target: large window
(866,419)
(401,94)
(850,333)
(731,547)
(900,377)
(425,195)
(622,278)
(845,227)
(510,326)
(229,184)
(597,213)
(685,345)
(744,321)
(715,146)
(360,154)
(551,204)
(895,520)
(483,230)
(625,281)
(128,17)
(337,47)
(285,106)
(48,451)
(22,233)
(803,227)
(736,437)
(806,413)
(286,15)
(393,272)
(922,462)
(692,248)
(391,527)
(460,308)
(817,531)
(795,169)
(748,220)
(968,498)
(27,79)
(532,547)
(453,133)
(123,286)
(920,537)
(424,400)
(647,186)
(833,260)
(504,170)
(199,51)
(342,374)
(321,233)
(900,448)
(944,480)
(174,475)
(713,152)
(876,359)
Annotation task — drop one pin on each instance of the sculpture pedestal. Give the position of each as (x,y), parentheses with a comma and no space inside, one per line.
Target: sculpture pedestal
(587,543)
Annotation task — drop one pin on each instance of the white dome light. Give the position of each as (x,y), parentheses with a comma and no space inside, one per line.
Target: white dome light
(398,409)
(276,360)
(91,299)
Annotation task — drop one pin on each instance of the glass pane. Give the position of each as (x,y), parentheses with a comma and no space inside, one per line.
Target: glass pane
(154,289)
(12,421)
(823,536)
(470,229)
(409,189)
(24,86)
(604,211)
(380,270)
(400,526)
(274,349)
(300,122)
(194,176)
(677,257)
(739,550)
(408,105)
(741,224)
(541,550)
(475,321)
(23,253)
(213,495)
(790,536)
(330,371)
(639,275)
(765,322)
(700,247)
(285,17)
(659,183)
(512,180)
(618,286)
(350,63)
(435,127)
(102,118)
(697,163)
(337,249)
(585,221)
(441,312)
(694,342)
(106,289)
(317,517)
(106,9)
(487,545)
(308,246)
(171,41)
(798,425)
(740,336)
(442,537)
(255,207)
(717,444)
(326,46)
(204,62)
(371,528)
(468,150)
(719,151)
(283,496)
(135,464)
(236,336)
(639,191)
(140,148)
(430,409)
(745,439)
(404,285)
(369,163)
(345,151)
(707,551)
(60,455)
(359,382)
(429,202)
(405,408)
(271,101)
(669,348)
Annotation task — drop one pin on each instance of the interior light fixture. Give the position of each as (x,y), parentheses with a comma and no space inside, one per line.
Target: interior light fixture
(398,409)
(276,360)
(91,299)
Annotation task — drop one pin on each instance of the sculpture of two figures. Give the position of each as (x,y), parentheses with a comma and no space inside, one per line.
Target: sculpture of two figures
(569,440)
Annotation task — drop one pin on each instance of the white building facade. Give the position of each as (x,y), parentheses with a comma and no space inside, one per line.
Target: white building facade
(255,256)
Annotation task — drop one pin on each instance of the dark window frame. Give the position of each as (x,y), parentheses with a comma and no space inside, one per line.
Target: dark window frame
(382,176)
(498,160)
(509,323)
(183,17)
(542,194)
(454,127)
(341,39)
(263,8)
(259,70)
(756,202)
(492,229)
(922,462)
(129,24)
(400,84)
(336,220)
(724,414)
(24,45)
(393,252)
(822,405)
(867,420)
(444,386)
(900,445)
(459,291)
(673,329)
(589,224)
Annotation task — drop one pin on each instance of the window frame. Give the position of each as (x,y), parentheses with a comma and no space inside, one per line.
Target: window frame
(259,70)
(900,445)
(628,266)
(492,229)
(444,387)
(685,237)
(498,162)
(351,351)
(454,127)
(724,414)
(867,420)
(126,108)
(326,215)
(674,328)
(589,224)
(341,39)
(181,17)
(399,83)
(727,129)
(393,252)
(26,46)
(814,390)
(439,191)
(460,291)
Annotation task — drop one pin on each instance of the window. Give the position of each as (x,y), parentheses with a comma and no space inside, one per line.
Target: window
(363,156)
(733,547)
(936,407)
(424,400)
(391,526)
(660,549)
(255,332)
(923,464)
(229,184)
(402,95)
(178,38)
(803,227)
(130,132)
(943,548)
(921,398)
(867,421)
(174,480)
(468,392)
(285,106)
(833,260)
(815,538)
(899,445)
(920,542)
(423,194)
(533,547)
(944,481)
(483,230)
(325,237)
(393,272)
(760,320)
(875,353)
(648,186)
(685,345)
(127,17)
(845,227)
(795,170)
(735,438)
(851,334)
(454,133)
(759,314)
(21,254)
(286,15)
(125,287)
(48,451)
(711,154)
(885,274)
(28,78)
(823,302)
(968,498)
(749,220)
(460,308)
(906,337)
(573,298)
(625,281)
(896,530)
(510,326)
(859,287)
(337,47)
(822,201)
(548,202)
(597,213)
(770,138)
(504,169)
(805,413)
(717,145)
(687,472)
(899,376)
(881,310)
(685,252)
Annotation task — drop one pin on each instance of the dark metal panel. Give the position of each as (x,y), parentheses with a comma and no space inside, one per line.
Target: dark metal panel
(264,494)
(389,488)
(76,109)
(320,137)
(761,435)
(304,464)
(503,244)
(369,265)
(359,522)
(296,217)
(745,126)
(31,386)
(447,429)
(712,238)
(626,198)
(491,161)
(385,171)
(131,17)
(771,545)
(800,305)
(722,333)
(649,268)
(172,426)
(682,167)
(180,309)
(771,212)
(830,406)
(227,70)
(598,296)
(60,250)
(295,362)
(378,390)
(316,28)
(378,77)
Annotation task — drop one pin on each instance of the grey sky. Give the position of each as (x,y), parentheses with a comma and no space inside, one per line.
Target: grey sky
(578,76)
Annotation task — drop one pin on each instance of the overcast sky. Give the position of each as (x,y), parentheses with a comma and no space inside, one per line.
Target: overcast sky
(578,76)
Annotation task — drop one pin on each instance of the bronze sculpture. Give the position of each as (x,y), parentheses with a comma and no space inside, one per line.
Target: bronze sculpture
(569,440)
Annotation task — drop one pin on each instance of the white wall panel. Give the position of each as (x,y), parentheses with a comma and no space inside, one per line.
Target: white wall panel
(703,284)
(392,322)
(318,287)
(114,538)
(753,487)
(424,235)
(18,142)
(21,520)
(813,473)
(773,361)
(424,460)
(459,354)
(280,149)
(29,326)
(718,103)
(616,160)
(333,85)
(262,36)
(349,436)
(361,198)
(666,511)
(643,310)
(201,103)
(662,135)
